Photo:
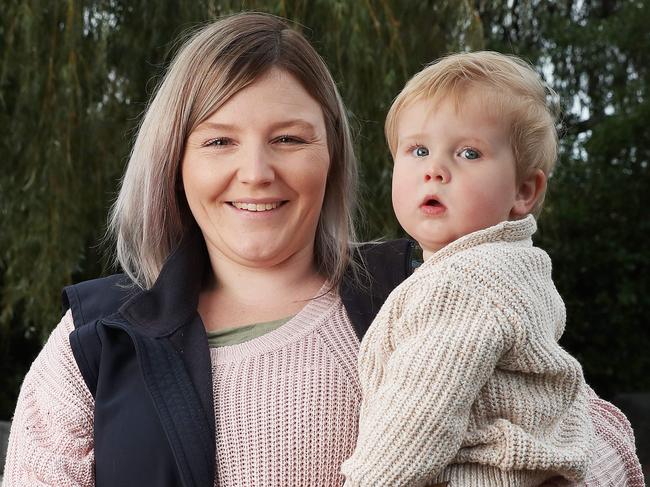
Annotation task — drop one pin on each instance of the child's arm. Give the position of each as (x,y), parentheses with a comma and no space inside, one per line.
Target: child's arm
(417,402)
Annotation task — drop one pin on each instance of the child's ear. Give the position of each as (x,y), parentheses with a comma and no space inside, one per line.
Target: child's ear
(528,192)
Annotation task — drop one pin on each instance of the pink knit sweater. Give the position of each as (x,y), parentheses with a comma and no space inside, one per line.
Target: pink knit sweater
(286,408)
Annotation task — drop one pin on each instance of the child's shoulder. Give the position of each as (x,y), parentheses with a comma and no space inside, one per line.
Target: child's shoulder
(499,255)
(501,248)
(487,268)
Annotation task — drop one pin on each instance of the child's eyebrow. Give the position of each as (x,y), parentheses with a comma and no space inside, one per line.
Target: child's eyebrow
(474,140)
(422,136)
(415,136)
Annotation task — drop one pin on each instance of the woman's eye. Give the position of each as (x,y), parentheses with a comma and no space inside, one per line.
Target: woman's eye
(420,151)
(288,139)
(221,141)
(469,153)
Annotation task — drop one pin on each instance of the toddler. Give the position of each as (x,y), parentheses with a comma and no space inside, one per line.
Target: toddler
(462,377)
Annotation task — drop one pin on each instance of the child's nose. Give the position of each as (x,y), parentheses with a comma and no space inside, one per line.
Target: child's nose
(438,172)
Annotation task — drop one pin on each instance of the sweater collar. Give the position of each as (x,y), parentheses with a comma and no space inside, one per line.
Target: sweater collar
(173,299)
(507,231)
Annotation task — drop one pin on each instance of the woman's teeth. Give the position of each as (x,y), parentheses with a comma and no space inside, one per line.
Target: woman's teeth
(255,206)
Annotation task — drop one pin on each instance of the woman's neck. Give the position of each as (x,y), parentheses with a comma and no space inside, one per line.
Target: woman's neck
(239,294)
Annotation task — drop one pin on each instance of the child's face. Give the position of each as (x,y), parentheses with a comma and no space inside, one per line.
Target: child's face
(454,171)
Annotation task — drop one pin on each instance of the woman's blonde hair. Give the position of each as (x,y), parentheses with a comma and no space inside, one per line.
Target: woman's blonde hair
(514,91)
(150,214)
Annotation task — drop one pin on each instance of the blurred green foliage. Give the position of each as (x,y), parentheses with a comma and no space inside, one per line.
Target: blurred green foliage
(75,77)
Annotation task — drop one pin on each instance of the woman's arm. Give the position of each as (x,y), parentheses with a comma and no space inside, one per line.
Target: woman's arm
(614,460)
(51,439)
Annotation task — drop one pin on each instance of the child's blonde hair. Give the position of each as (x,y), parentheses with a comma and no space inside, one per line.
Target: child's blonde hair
(515,91)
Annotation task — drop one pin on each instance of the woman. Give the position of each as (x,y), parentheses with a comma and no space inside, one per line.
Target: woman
(233,221)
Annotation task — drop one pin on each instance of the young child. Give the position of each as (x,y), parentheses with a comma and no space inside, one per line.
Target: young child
(462,377)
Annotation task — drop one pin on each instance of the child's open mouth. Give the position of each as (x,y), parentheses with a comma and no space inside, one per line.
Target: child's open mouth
(432,206)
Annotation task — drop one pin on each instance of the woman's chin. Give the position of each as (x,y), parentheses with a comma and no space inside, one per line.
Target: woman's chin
(260,253)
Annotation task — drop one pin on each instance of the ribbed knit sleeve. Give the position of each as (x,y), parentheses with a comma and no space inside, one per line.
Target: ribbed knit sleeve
(412,419)
(615,460)
(51,438)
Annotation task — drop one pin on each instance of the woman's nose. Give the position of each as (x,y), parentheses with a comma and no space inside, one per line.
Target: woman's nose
(437,171)
(256,167)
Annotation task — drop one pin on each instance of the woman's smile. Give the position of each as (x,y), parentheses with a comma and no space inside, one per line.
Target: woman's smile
(257,206)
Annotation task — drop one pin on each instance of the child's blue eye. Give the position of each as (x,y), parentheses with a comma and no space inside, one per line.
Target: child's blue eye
(470,154)
(420,151)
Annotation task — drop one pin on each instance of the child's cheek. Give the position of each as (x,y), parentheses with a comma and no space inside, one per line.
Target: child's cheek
(403,194)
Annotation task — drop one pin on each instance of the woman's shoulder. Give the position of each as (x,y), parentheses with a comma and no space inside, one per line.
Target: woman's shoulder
(378,267)
(395,255)
(96,298)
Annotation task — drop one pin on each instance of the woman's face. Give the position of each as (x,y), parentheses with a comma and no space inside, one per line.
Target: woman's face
(254,173)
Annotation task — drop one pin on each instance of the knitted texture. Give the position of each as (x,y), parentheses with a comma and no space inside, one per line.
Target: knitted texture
(615,461)
(287,402)
(462,377)
(51,438)
(289,418)
(286,407)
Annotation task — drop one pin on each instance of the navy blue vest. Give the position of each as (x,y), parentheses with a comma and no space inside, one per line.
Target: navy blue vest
(144,356)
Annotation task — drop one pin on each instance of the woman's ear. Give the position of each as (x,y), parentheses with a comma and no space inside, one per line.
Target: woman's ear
(528,192)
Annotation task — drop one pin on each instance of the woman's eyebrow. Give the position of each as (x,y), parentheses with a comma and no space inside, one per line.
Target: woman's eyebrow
(298,123)
(283,124)
(214,126)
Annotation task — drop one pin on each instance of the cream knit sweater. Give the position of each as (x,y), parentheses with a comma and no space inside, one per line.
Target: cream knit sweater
(462,376)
